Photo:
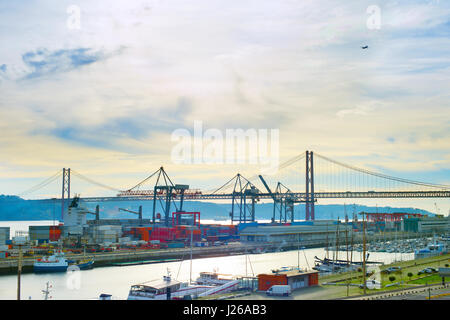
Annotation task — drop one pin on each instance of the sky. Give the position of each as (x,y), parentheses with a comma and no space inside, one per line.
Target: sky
(101,86)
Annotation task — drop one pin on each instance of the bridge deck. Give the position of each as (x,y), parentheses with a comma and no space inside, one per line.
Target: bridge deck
(296,196)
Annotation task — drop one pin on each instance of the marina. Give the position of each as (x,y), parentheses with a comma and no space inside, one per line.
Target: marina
(224,150)
(117,280)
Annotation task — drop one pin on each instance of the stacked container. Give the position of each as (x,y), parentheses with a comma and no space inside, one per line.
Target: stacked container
(163,234)
(72,231)
(41,234)
(124,240)
(55,233)
(106,234)
(142,233)
(4,235)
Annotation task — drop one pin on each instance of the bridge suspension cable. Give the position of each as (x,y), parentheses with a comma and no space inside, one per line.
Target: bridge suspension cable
(41,184)
(380,175)
(282,166)
(79,175)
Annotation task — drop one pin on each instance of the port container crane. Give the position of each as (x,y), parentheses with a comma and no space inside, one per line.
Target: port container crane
(96,213)
(139,213)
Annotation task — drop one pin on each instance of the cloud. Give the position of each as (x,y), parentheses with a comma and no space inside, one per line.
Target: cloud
(42,62)
(117,131)
(293,65)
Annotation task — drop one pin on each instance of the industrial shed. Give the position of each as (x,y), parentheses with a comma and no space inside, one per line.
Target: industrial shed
(305,233)
(295,278)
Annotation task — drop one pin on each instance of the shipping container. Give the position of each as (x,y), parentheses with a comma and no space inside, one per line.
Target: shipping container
(200,244)
(175,245)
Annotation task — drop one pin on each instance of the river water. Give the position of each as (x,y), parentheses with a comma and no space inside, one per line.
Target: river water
(89,284)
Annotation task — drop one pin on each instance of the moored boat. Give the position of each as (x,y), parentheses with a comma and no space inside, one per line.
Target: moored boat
(54,263)
(431,250)
(168,289)
(85,264)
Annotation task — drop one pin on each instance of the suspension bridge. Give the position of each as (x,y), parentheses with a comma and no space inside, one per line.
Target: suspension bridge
(305,178)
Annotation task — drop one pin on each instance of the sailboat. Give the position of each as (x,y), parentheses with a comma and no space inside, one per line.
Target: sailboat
(327,265)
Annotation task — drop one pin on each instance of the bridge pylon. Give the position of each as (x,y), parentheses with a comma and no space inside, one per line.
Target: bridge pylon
(309,205)
(65,190)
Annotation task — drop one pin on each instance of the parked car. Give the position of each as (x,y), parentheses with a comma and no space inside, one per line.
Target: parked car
(427,270)
(279,290)
(392,270)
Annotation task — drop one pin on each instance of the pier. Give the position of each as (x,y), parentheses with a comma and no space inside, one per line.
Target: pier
(9,265)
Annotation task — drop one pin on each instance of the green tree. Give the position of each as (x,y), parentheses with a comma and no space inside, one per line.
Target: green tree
(410,274)
(391,278)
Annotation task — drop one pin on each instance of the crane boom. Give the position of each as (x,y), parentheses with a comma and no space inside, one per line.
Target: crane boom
(96,213)
(267,187)
(139,213)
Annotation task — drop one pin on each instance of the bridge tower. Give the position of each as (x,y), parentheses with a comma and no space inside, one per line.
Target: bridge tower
(65,189)
(309,205)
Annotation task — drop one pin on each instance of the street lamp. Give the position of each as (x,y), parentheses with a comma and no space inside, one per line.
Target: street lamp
(19,241)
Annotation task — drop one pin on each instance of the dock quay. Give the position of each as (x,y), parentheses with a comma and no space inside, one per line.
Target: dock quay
(102,259)
(9,266)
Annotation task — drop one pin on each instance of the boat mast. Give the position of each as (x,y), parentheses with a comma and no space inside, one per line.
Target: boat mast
(298,251)
(364,255)
(346,232)
(351,252)
(190,269)
(46,291)
(327,253)
(337,241)
(346,244)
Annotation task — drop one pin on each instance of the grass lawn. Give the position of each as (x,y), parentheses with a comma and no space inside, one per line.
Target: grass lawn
(412,266)
(431,279)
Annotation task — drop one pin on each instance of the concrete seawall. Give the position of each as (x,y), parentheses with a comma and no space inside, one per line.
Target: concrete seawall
(9,265)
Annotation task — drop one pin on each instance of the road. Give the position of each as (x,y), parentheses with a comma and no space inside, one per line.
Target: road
(437,294)
(309,293)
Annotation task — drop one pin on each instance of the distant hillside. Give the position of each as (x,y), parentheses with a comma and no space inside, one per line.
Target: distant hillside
(15,208)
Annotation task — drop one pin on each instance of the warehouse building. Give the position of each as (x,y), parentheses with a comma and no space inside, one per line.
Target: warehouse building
(296,279)
(4,235)
(427,224)
(308,232)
